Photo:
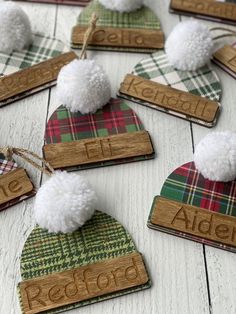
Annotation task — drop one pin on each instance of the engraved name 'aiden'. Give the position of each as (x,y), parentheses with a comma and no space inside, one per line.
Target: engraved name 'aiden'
(196,221)
(169,98)
(83,283)
(206,7)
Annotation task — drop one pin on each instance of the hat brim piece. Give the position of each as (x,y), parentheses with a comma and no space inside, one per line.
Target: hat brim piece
(225,58)
(213,206)
(101,238)
(66,2)
(15,185)
(113,120)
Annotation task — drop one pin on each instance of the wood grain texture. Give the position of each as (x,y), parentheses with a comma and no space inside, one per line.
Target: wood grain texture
(14,184)
(177,266)
(81,152)
(227,56)
(16,85)
(194,220)
(170,98)
(224,10)
(83,283)
(119,37)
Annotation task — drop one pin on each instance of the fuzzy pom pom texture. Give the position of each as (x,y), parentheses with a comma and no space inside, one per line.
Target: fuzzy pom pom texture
(189,46)
(15,28)
(64,203)
(83,86)
(122,5)
(215,156)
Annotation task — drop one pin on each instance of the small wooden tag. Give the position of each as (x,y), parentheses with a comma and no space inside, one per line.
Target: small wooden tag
(14,86)
(14,184)
(120,37)
(215,9)
(125,145)
(226,56)
(158,95)
(83,283)
(193,220)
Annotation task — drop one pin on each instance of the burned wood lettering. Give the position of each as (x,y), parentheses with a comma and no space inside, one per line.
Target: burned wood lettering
(215,9)
(169,98)
(194,220)
(120,37)
(83,283)
(14,184)
(226,56)
(88,151)
(33,77)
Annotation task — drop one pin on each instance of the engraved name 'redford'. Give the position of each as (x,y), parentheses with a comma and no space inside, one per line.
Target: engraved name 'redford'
(83,283)
(169,98)
(34,76)
(212,8)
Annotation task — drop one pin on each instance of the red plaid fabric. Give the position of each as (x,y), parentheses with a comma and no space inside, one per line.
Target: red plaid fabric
(6,165)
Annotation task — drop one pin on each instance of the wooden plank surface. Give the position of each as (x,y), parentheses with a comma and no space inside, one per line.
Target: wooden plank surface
(202,280)
(93,280)
(88,151)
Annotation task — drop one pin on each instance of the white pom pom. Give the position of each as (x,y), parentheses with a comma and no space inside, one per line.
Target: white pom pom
(83,86)
(215,156)
(189,46)
(122,5)
(15,28)
(64,203)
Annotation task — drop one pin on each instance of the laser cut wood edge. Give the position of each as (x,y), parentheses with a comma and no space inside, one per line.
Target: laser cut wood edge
(144,277)
(224,68)
(172,112)
(200,15)
(116,49)
(186,235)
(149,154)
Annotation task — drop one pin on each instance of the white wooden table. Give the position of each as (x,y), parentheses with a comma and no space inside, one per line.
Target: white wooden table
(187,277)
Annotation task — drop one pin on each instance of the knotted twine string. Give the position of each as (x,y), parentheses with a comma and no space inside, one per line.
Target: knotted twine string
(27,155)
(88,34)
(230,32)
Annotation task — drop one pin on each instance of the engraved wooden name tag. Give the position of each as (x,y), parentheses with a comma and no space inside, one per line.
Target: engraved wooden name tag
(13,185)
(87,151)
(30,80)
(226,58)
(120,37)
(83,283)
(187,219)
(156,95)
(215,9)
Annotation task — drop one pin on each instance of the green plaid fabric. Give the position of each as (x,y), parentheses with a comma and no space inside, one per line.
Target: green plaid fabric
(99,239)
(203,82)
(143,18)
(42,48)
(187,185)
(114,118)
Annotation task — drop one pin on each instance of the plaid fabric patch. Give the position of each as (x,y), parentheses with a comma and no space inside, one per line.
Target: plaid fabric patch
(42,48)
(143,18)
(115,118)
(99,239)
(6,165)
(187,185)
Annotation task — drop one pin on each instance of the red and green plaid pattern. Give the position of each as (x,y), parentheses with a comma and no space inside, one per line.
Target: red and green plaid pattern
(42,48)
(114,118)
(6,165)
(188,186)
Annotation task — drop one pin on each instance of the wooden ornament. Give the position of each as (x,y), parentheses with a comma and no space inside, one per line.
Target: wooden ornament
(65,2)
(137,31)
(110,136)
(97,262)
(207,9)
(15,185)
(197,209)
(225,57)
(33,79)
(82,283)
